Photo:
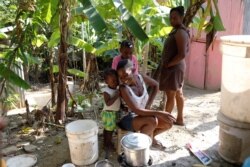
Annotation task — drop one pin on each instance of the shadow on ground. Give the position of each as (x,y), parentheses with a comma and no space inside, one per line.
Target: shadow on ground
(189,161)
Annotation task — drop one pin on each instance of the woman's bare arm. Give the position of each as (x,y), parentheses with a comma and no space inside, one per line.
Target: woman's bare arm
(154,89)
(141,111)
(110,100)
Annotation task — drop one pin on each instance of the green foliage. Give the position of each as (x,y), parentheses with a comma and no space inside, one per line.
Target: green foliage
(217,22)
(76,72)
(39,40)
(94,18)
(84,101)
(7,12)
(55,69)
(3,35)
(96,27)
(28,59)
(11,101)
(109,45)
(203,18)
(12,77)
(55,38)
(208,18)
(130,21)
(47,10)
(135,6)
(81,44)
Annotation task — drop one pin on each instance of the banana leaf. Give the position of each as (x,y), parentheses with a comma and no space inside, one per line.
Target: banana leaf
(156,42)
(39,40)
(49,8)
(81,44)
(217,22)
(94,17)
(112,44)
(203,18)
(108,11)
(3,35)
(77,11)
(135,7)
(55,38)
(46,12)
(12,77)
(76,72)
(130,21)
(55,69)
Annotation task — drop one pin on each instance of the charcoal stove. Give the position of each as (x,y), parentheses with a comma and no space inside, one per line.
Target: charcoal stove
(122,161)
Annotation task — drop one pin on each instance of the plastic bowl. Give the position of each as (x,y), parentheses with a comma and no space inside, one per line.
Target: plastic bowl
(69,165)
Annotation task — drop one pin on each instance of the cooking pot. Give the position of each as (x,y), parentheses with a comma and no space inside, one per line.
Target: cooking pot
(136,149)
(104,163)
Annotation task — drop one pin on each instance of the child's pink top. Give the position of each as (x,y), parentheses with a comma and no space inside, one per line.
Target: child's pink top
(118,58)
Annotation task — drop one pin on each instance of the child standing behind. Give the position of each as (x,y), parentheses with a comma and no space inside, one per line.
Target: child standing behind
(126,52)
(111,106)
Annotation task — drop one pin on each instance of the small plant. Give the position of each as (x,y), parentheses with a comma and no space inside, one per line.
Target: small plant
(9,98)
(11,101)
(86,104)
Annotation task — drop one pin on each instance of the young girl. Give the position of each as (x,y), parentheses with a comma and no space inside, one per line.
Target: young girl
(111,106)
(126,52)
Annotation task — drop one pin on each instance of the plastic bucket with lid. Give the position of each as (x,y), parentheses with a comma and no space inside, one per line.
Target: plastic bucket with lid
(234,117)
(235,87)
(83,143)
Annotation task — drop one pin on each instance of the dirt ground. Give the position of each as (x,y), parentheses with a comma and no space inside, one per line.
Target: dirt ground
(201,129)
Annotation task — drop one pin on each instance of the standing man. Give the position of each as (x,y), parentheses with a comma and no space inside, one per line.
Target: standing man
(176,48)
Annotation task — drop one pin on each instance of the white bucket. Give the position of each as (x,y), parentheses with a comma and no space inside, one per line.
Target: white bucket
(83,143)
(70,83)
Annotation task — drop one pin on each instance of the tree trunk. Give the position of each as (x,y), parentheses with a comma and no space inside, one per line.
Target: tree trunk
(92,79)
(146,51)
(154,58)
(62,58)
(191,12)
(52,80)
(26,74)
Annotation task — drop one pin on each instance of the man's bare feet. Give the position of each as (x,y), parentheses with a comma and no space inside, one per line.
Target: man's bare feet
(158,145)
(179,123)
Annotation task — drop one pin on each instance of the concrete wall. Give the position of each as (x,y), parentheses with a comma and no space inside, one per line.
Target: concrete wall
(204,69)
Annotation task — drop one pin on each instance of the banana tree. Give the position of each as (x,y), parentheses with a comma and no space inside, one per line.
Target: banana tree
(62,59)
(110,20)
(127,15)
(12,55)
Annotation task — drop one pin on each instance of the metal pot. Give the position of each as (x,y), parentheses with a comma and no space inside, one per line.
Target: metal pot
(104,163)
(136,149)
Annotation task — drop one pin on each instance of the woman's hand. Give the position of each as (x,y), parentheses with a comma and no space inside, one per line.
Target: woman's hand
(147,106)
(165,116)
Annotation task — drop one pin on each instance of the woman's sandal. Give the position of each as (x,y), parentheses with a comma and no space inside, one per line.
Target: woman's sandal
(158,145)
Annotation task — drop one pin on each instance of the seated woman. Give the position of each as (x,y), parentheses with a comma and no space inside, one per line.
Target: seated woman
(134,93)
